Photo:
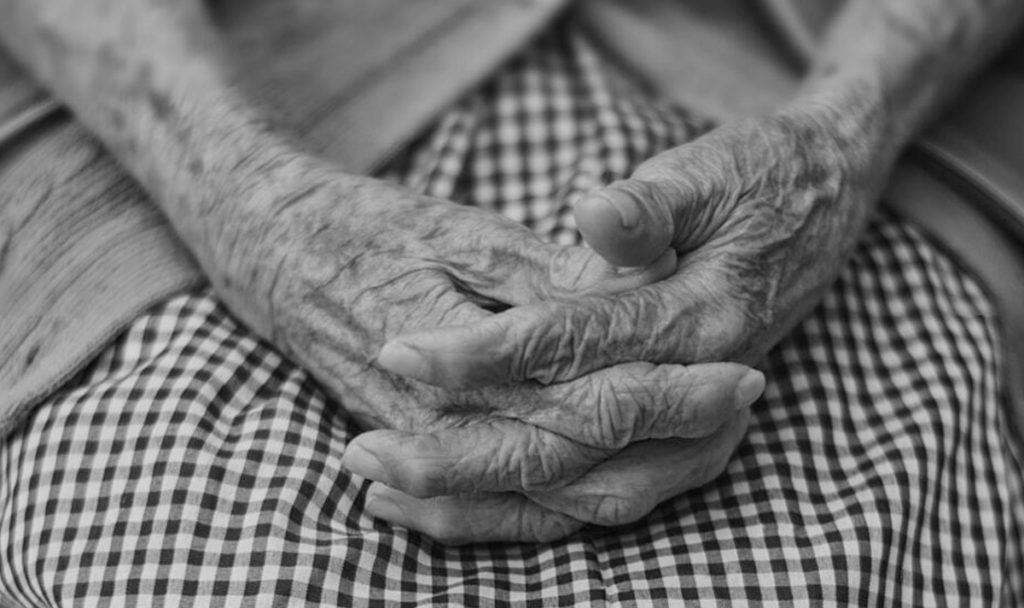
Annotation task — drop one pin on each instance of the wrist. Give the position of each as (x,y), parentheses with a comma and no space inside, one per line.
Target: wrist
(272,228)
(854,116)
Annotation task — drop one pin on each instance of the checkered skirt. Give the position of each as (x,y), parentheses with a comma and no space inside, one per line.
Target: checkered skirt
(191,465)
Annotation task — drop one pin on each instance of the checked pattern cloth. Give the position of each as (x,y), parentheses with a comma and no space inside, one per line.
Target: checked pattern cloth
(191,465)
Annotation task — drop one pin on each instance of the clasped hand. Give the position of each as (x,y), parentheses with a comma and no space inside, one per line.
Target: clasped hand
(519,390)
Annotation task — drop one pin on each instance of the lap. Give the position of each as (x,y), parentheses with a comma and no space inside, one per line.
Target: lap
(192,463)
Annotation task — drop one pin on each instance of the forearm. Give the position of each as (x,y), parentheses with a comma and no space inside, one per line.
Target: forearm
(886,68)
(890,66)
(144,76)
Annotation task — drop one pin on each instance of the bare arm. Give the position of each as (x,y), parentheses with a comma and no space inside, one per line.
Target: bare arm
(145,76)
(890,67)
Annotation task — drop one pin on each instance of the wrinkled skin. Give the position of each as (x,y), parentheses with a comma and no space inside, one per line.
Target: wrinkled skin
(400,262)
(328,266)
(759,216)
(541,400)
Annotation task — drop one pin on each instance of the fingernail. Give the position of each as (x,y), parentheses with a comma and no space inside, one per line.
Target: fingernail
(401,359)
(749,389)
(364,463)
(626,207)
(381,506)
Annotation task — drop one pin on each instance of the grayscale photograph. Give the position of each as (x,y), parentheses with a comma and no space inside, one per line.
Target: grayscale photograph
(511,303)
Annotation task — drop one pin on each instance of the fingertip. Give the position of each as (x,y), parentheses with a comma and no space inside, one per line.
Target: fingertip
(749,389)
(457,358)
(363,462)
(385,503)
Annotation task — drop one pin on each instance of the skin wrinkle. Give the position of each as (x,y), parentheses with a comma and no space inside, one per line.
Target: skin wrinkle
(775,231)
(540,470)
(276,275)
(541,404)
(472,295)
(155,60)
(46,191)
(294,199)
(695,225)
(560,353)
(5,246)
(675,415)
(621,426)
(607,421)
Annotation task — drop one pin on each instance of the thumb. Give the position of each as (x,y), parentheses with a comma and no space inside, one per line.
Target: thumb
(634,221)
(626,222)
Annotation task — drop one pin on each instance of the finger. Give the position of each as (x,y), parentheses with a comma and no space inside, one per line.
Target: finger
(460,520)
(622,490)
(545,272)
(552,444)
(498,456)
(558,341)
(669,202)
(615,407)
(629,485)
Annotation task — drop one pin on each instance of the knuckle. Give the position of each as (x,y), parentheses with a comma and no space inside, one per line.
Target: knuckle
(550,346)
(528,459)
(536,359)
(669,407)
(540,463)
(691,405)
(616,418)
(640,324)
(536,471)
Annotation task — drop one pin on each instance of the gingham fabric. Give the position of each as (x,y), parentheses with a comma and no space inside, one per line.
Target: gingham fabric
(191,465)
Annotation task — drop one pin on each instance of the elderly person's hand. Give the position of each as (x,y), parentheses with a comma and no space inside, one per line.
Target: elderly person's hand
(335,265)
(760,215)
(328,266)
(620,490)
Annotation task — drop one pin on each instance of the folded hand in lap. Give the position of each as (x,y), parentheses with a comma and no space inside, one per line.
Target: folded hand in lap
(341,264)
(758,217)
